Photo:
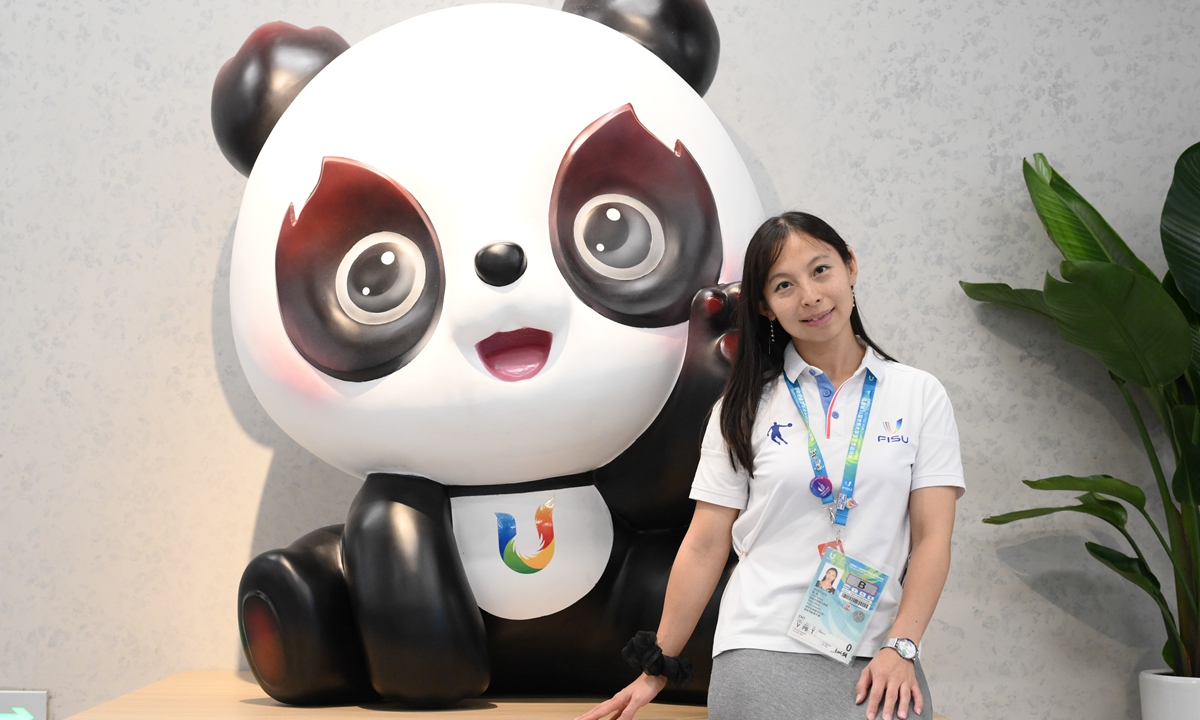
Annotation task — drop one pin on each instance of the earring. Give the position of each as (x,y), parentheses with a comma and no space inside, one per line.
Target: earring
(771,342)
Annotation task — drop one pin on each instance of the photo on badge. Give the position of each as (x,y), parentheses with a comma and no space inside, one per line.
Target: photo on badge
(829,575)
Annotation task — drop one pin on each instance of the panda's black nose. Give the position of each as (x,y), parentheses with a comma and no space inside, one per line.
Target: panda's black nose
(500,264)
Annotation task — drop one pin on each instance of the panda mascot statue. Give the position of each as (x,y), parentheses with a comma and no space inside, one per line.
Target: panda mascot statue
(485,260)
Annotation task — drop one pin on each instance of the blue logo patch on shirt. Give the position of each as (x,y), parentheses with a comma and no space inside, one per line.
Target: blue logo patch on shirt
(775,434)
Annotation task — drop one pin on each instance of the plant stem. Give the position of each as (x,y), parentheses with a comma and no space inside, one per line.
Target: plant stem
(1180,578)
(1174,522)
(1182,649)
(1136,550)
(1188,623)
(1180,550)
(1187,510)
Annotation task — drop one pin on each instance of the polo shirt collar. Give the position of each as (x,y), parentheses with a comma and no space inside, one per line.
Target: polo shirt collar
(794,366)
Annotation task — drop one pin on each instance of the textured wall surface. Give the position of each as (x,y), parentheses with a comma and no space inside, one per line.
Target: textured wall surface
(138,473)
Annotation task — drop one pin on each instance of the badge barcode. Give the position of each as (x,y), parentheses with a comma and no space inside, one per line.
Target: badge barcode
(863,603)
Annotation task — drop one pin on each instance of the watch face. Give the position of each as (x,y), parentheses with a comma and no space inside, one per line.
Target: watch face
(907,648)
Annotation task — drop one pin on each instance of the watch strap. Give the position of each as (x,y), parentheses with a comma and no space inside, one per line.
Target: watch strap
(894,644)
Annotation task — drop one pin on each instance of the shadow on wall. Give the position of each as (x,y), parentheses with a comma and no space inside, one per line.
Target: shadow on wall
(1058,567)
(763,184)
(1060,570)
(1037,339)
(301,492)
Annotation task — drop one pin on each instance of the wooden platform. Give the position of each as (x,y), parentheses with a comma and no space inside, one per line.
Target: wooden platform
(225,694)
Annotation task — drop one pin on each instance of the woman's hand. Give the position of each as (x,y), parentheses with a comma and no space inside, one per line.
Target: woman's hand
(628,701)
(890,678)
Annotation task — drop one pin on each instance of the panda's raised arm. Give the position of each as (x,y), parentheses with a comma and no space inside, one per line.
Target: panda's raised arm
(648,484)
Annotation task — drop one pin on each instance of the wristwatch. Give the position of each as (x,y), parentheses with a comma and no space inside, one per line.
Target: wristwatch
(904,647)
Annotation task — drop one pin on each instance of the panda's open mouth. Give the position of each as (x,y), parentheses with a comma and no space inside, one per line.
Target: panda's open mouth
(516,355)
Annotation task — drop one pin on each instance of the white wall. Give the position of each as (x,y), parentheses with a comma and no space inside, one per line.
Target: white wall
(138,474)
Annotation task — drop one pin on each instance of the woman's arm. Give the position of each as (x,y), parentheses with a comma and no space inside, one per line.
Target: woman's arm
(694,576)
(695,573)
(889,677)
(931,516)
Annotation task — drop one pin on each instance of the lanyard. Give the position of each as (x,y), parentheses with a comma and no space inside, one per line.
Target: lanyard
(845,498)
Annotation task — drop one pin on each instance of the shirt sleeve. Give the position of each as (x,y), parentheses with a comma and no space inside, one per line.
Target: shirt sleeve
(717,480)
(939,458)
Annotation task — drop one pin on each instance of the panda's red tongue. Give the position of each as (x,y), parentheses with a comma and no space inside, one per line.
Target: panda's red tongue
(516,355)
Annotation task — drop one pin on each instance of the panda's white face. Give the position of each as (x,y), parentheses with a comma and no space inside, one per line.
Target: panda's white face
(362,320)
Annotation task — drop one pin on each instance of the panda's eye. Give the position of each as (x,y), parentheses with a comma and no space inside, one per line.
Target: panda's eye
(633,223)
(359,274)
(381,278)
(619,236)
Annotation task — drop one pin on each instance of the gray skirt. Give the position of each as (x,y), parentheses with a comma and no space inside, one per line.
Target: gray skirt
(765,685)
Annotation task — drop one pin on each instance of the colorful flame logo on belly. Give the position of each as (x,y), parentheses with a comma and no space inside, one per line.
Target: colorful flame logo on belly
(506,529)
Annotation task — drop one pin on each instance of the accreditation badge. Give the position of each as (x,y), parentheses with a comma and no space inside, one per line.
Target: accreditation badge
(838,606)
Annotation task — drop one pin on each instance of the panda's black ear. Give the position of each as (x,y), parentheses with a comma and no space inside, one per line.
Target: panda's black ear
(254,87)
(682,33)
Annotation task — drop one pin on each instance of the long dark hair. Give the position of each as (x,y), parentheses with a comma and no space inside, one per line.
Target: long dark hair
(760,361)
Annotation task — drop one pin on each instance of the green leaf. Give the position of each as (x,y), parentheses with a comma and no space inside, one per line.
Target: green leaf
(1116,508)
(1136,572)
(1102,233)
(1103,512)
(1124,320)
(1072,237)
(1099,484)
(1042,166)
(1001,294)
(1130,568)
(1180,228)
(1185,423)
(1168,283)
(1194,366)
(1079,231)
(1169,656)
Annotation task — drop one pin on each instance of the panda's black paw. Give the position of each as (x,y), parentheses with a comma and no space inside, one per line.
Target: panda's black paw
(421,628)
(298,629)
(712,340)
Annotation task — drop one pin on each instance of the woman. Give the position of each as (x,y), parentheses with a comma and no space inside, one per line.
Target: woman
(761,488)
(829,580)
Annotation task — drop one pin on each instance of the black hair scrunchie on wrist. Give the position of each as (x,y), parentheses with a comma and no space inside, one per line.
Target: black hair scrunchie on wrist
(643,653)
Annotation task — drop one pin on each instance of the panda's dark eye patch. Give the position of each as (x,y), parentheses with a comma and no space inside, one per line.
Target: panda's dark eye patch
(359,274)
(633,224)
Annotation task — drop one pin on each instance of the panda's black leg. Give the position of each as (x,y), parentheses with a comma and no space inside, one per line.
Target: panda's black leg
(577,651)
(421,628)
(297,627)
(638,598)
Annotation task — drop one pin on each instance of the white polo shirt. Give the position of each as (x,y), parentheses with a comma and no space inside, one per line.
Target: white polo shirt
(911,443)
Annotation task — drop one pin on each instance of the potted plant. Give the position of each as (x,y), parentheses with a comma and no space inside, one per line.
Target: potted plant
(1146,331)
